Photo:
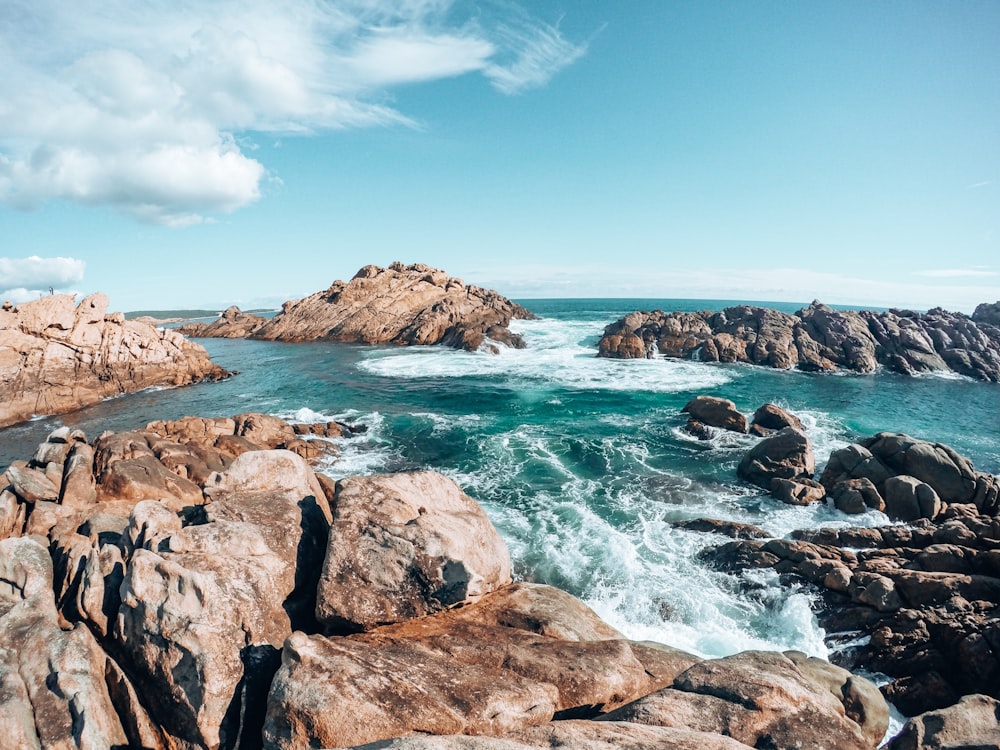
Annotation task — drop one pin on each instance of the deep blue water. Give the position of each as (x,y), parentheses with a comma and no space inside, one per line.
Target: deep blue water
(580,461)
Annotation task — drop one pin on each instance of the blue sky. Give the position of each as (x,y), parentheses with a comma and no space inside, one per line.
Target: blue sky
(191,154)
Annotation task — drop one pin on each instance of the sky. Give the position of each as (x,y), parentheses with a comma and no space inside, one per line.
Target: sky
(186,154)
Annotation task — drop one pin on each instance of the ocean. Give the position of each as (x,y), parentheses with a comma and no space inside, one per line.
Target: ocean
(582,463)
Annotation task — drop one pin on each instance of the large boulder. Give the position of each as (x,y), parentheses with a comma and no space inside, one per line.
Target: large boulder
(768,700)
(480,669)
(404,546)
(770,418)
(57,356)
(716,412)
(787,454)
(972,723)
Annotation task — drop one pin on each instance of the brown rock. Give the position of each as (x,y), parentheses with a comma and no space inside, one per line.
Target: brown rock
(856,496)
(232,323)
(768,700)
(771,418)
(907,499)
(972,723)
(31,485)
(401,304)
(54,682)
(418,676)
(797,491)
(716,412)
(785,455)
(816,338)
(403,546)
(56,357)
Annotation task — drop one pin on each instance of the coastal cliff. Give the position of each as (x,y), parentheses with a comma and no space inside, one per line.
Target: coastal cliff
(57,356)
(401,304)
(817,338)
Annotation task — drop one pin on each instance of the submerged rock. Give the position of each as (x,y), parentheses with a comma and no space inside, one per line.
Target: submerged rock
(57,356)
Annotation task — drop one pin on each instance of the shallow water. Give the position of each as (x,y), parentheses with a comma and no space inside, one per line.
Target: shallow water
(580,462)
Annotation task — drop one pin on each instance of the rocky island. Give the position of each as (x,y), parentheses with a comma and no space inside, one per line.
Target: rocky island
(57,356)
(817,338)
(401,304)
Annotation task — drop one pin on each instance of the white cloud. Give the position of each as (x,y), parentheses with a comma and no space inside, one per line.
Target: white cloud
(139,106)
(22,279)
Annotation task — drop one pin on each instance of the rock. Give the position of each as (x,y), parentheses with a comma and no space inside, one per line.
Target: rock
(907,499)
(12,515)
(401,304)
(232,323)
(580,735)
(732,529)
(950,475)
(974,722)
(264,430)
(54,683)
(817,338)
(785,455)
(206,606)
(31,485)
(716,412)
(403,546)
(768,700)
(797,491)
(856,496)
(56,356)
(418,675)
(79,487)
(770,418)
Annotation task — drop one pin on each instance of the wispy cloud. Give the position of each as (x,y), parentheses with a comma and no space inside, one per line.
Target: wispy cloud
(976,185)
(957,273)
(139,106)
(22,279)
(746,284)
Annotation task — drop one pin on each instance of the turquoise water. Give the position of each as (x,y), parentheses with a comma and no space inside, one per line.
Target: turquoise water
(581,462)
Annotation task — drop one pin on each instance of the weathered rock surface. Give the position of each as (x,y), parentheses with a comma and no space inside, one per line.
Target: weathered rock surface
(57,356)
(413,304)
(472,670)
(232,323)
(817,338)
(972,723)
(403,546)
(786,454)
(716,412)
(769,700)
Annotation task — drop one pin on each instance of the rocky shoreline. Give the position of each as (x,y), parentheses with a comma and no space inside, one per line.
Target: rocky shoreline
(57,356)
(415,305)
(919,602)
(817,338)
(196,584)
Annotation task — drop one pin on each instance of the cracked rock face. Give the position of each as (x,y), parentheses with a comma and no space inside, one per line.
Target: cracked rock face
(57,356)
(404,546)
(413,304)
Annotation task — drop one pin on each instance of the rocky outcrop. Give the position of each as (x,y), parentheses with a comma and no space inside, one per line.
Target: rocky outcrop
(786,454)
(188,610)
(907,477)
(974,722)
(232,323)
(57,356)
(816,338)
(926,599)
(413,304)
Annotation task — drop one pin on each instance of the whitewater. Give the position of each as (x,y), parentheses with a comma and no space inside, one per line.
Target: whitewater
(582,463)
